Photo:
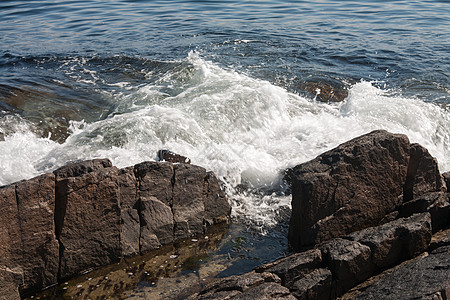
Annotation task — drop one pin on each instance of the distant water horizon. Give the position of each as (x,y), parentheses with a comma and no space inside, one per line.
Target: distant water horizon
(233,85)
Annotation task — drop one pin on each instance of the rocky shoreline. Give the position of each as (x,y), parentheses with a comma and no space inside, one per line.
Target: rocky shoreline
(365,207)
(91,214)
(370,219)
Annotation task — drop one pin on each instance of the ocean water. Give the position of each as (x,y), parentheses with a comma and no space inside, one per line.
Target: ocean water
(234,85)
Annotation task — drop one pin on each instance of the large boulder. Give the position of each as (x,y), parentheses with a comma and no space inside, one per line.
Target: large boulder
(357,184)
(348,188)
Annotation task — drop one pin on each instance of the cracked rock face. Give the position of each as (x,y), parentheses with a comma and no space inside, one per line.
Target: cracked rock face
(89,214)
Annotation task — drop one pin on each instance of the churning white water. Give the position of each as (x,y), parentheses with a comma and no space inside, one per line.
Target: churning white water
(246,130)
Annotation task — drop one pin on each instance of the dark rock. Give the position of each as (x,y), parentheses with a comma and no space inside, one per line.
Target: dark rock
(348,188)
(326,90)
(166,155)
(267,291)
(91,230)
(446,177)
(40,250)
(10,281)
(129,208)
(217,208)
(231,286)
(155,179)
(79,168)
(440,239)
(349,262)
(188,200)
(316,285)
(156,224)
(437,204)
(11,275)
(293,267)
(423,174)
(394,242)
(426,277)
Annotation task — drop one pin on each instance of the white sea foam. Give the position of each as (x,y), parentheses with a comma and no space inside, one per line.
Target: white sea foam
(244,129)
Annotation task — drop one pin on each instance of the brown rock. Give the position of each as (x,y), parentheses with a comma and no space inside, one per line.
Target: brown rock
(79,168)
(90,235)
(217,208)
(394,242)
(446,177)
(188,200)
(326,90)
(426,277)
(155,180)
(231,286)
(266,291)
(314,286)
(293,267)
(349,262)
(348,188)
(40,250)
(423,174)
(129,207)
(10,281)
(437,204)
(156,224)
(11,275)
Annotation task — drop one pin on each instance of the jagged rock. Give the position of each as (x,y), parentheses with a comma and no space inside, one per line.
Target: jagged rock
(232,286)
(40,250)
(349,262)
(317,285)
(156,224)
(437,204)
(348,188)
(90,231)
(293,267)
(396,241)
(423,174)
(426,277)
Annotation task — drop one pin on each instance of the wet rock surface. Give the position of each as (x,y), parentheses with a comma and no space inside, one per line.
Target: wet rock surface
(91,214)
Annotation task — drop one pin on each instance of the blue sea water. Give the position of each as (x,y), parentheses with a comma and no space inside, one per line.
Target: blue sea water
(234,85)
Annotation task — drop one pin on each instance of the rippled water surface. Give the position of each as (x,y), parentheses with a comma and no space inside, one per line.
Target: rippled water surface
(234,85)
